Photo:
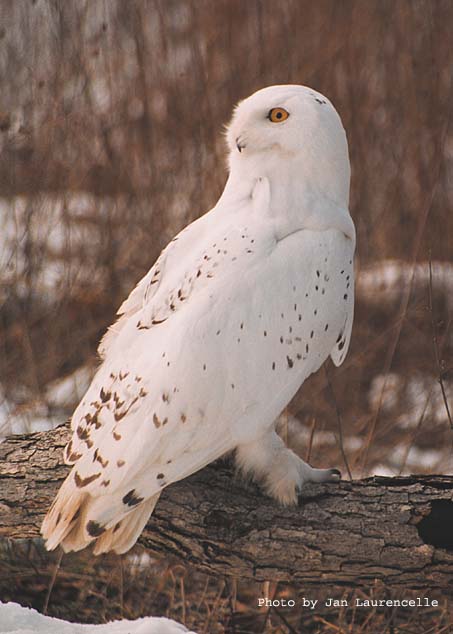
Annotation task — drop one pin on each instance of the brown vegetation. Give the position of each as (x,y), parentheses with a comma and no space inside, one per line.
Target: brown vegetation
(110,137)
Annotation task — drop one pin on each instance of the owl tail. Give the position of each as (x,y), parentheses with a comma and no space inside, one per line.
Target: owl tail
(77,519)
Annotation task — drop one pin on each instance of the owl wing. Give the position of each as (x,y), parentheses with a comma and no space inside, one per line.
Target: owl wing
(129,441)
(168,261)
(341,348)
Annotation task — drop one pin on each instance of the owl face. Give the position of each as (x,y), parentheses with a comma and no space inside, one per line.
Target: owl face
(291,130)
(280,118)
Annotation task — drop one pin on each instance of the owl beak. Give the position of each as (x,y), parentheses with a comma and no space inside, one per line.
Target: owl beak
(240,144)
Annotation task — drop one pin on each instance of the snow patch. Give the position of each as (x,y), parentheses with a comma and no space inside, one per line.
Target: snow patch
(67,392)
(59,400)
(25,419)
(419,396)
(385,280)
(15,619)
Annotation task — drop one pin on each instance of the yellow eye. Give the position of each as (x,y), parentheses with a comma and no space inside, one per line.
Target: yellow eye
(277,115)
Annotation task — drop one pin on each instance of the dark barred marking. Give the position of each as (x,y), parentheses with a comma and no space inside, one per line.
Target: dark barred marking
(95,420)
(83,482)
(132,499)
(157,422)
(105,396)
(82,433)
(97,456)
(94,529)
(117,400)
(74,456)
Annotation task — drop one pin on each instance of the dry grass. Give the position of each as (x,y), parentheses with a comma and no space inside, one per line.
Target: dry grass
(110,114)
(98,590)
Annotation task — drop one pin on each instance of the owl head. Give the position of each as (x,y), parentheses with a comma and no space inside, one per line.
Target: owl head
(291,132)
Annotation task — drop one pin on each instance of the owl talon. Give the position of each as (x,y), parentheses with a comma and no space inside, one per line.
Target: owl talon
(335,475)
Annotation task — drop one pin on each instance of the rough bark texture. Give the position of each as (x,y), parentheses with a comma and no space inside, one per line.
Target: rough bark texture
(398,530)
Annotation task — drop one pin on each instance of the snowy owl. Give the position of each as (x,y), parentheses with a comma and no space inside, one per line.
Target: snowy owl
(209,348)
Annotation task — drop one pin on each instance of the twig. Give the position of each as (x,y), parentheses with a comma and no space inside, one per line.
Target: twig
(214,608)
(340,426)
(284,621)
(183,598)
(312,436)
(436,343)
(414,435)
(268,611)
(232,597)
(120,557)
(52,582)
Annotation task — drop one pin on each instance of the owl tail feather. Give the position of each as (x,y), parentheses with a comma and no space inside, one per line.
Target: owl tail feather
(63,514)
(77,519)
(121,537)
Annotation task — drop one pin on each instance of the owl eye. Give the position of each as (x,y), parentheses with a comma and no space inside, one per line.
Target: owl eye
(277,115)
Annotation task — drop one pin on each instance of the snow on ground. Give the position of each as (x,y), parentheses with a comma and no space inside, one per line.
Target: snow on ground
(58,402)
(55,239)
(67,392)
(15,619)
(413,459)
(383,281)
(25,419)
(54,226)
(420,396)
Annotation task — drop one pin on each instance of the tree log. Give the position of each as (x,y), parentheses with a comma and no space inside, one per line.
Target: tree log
(398,530)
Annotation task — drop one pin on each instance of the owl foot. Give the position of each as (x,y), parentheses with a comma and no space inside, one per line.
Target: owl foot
(285,482)
(282,472)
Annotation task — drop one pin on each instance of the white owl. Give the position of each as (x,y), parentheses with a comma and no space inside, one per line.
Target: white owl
(239,309)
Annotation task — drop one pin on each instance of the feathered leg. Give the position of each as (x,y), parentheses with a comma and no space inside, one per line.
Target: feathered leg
(268,459)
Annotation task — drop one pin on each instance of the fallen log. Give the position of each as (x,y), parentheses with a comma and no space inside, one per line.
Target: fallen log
(397,530)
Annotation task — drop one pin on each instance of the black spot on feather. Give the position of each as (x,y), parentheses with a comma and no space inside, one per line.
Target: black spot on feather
(132,499)
(94,529)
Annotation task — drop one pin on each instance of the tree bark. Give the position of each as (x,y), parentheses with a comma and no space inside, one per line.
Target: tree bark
(398,530)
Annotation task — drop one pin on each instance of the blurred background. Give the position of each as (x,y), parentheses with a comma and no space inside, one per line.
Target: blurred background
(111,117)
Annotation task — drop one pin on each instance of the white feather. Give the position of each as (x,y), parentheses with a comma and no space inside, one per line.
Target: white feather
(239,309)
